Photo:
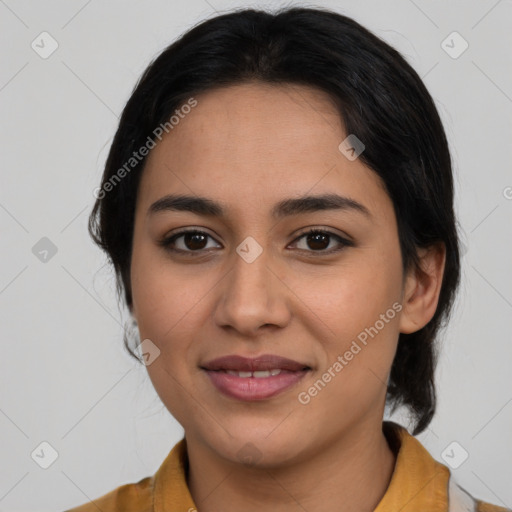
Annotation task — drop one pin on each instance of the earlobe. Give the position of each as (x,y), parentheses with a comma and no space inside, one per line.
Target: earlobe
(422,288)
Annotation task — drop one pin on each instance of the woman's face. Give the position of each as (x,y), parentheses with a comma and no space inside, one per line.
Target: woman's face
(252,284)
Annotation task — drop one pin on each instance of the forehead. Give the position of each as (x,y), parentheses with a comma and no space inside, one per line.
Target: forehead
(257,141)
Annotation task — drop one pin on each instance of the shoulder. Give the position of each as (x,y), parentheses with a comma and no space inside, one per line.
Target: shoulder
(134,497)
(461,500)
(415,465)
(487,507)
(167,485)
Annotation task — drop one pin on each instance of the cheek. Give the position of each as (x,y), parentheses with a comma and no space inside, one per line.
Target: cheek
(358,308)
(168,305)
(349,297)
(164,295)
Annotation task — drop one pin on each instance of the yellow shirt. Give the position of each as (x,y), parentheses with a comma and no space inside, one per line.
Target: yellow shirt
(418,484)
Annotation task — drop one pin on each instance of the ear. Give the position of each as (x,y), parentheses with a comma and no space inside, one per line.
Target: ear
(422,288)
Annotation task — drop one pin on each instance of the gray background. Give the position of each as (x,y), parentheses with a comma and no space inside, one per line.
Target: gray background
(65,378)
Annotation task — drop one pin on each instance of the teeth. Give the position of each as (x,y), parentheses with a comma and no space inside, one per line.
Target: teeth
(262,373)
(258,374)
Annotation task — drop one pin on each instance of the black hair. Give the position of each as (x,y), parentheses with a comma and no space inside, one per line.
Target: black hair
(381,100)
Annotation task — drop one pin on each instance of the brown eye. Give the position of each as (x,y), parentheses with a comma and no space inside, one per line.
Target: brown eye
(317,240)
(192,241)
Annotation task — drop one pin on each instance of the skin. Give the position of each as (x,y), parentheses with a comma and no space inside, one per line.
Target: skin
(250,146)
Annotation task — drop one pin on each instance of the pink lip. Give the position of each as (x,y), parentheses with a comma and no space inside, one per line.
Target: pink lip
(254,388)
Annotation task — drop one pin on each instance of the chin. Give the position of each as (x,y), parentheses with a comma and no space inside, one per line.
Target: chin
(259,450)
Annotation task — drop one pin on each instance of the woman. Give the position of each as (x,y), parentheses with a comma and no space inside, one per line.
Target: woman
(278,207)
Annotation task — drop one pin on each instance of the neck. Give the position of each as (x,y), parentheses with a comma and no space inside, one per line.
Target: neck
(355,471)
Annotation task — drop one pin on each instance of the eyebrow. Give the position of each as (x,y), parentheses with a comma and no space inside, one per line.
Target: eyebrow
(285,208)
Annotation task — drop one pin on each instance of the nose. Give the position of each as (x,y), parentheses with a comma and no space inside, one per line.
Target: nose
(252,296)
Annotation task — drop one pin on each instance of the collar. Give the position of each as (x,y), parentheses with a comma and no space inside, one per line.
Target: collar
(418,481)
(171,492)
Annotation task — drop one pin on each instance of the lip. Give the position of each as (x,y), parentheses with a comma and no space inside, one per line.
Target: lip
(253,364)
(254,388)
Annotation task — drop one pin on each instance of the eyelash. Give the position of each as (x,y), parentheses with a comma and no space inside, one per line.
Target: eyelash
(167,242)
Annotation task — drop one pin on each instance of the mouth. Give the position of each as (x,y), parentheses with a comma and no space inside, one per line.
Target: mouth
(251,379)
